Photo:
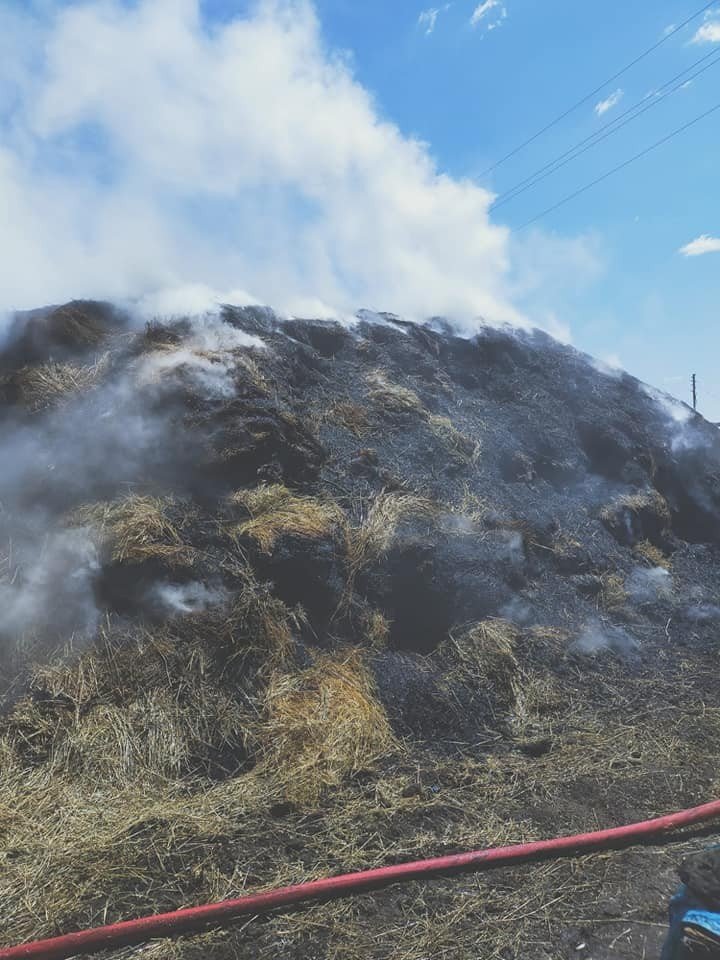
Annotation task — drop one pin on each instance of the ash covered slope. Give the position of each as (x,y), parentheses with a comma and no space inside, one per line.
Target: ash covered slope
(284,598)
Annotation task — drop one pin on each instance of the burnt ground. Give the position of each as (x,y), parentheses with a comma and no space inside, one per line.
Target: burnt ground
(347,597)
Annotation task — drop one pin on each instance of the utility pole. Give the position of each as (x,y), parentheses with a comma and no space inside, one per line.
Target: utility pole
(694,391)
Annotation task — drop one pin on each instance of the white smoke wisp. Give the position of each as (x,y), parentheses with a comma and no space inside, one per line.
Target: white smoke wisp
(459,523)
(208,333)
(517,611)
(190,299)
(52,588)
(678,416)
(608,367)
(209,355)
(186,598)
(512,546)
(596,638)
(674,409)
(253,163)
(81,449)
(703,613)
(213,377)
(686,439)
(687,430)
(97,446)
(118,437)
(649,585)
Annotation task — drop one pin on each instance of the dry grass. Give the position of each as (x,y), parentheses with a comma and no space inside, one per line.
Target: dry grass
(471,506)
(548,644)
(376,629)
(94,815)
(114,669)
(698,941)
(651,555)
(604,750)
(249,371)
(644,506)
(84,851)
(155,736)
(52,384)
(160,336)
(321,725)
(78,850)
(485,655)
(349,415)
(78,324)
(139,528)
(94,820)
(539,697)
(381,520)
(256,623)
(401,401)
(168,360)
(276,512)
(565,545)
(136,707)
(462,449)
(100,827)
(613,595)
(649,500)
(391,397)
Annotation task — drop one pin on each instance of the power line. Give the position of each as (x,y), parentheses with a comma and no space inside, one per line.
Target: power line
(637,110)
(597,90)
(620,166)
(604,132)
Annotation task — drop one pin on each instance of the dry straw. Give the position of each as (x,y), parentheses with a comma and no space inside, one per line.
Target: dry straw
(321,725)
(276,512)
(51,384)
(139,528)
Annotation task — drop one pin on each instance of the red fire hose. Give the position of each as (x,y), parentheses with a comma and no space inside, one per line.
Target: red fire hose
(197,919)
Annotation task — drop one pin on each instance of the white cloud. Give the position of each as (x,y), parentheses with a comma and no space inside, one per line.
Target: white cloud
(708,33)
(670,28)
(143,150)
(612,101)
(428,18)
(703,244)
(482,10)
(491,13)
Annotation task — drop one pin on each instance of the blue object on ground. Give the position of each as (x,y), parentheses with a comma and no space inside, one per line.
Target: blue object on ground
(688,913)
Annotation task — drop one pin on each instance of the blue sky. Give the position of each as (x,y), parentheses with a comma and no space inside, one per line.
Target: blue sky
(474,96)
(270,148)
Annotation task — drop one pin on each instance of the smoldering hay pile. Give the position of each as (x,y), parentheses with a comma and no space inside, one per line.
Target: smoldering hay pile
(283,598)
